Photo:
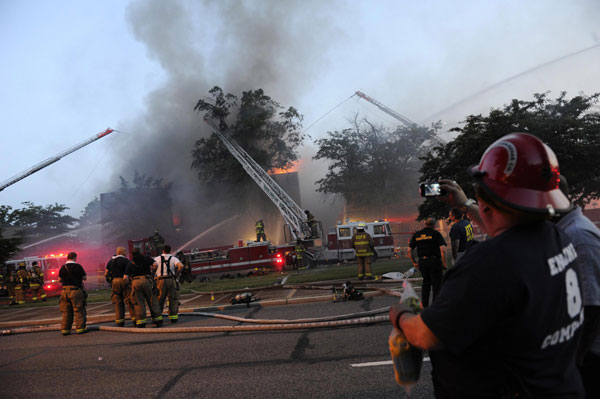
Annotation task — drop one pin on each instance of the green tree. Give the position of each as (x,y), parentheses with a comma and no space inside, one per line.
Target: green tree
(269,133)
(371,166)
(569,126)
(36,221)
(8,246)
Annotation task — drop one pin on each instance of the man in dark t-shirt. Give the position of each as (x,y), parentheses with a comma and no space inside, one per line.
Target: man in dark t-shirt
(121,290)
(461,234)
(72,298)
(507,320)
(428,244)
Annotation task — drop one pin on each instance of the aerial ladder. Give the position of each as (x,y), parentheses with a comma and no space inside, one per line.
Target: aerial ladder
(292,214)
(53,159)
(387,110)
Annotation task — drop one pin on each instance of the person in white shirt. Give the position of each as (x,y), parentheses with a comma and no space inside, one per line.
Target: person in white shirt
(168,268)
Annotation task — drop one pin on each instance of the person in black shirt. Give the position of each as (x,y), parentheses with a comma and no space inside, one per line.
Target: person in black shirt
(461,234)
(428,244)
(73,296)
(121,290)
(506,323)
(138,271)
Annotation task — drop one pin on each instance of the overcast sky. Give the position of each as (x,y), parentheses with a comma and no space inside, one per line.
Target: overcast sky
(70,69)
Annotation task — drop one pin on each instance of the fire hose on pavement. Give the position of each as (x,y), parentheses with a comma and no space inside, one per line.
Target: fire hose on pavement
(214,329)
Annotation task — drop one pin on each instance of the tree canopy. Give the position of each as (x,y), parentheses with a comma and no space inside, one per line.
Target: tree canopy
(269,133)
(371,166)
(570,127)
(36,220)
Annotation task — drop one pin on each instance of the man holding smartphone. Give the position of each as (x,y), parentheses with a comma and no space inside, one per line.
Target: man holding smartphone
(508,318)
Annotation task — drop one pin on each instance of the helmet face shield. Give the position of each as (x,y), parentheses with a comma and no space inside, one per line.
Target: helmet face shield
(521,172)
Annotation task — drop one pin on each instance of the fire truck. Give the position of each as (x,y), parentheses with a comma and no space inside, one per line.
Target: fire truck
(50,265)
(339,241)
(226,259)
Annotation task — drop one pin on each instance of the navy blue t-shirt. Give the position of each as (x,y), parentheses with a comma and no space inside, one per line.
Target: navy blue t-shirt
(508,316)
(71,274)
(463,232)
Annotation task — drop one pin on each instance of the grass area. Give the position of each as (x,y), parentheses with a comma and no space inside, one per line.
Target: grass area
(344,271)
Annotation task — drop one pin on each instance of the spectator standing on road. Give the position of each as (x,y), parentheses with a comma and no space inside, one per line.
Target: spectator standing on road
(73,296)
(139,274)
(461,234)
(168,268)
(115,270)
(586,239)
(36,283)
(363,245)
(428,245)
(260,230)
(507,320)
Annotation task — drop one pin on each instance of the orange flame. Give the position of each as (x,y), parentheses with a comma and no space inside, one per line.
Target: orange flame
(293,168)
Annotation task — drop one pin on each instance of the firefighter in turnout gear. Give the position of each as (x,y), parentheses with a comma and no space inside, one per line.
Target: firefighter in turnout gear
(260,231)
(36,283)
(168,268)
(139,273)
(9,279)
(362,242)
(21,283)
(73,296)
(300,256)
(115,270)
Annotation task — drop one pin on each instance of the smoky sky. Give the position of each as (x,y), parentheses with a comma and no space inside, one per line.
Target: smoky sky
(417,60)
(236,45)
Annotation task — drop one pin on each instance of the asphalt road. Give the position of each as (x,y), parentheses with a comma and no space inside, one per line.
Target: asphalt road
(337,362)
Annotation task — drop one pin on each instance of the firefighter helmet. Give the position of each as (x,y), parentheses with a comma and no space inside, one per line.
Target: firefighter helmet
(22,264)
(361,226)
(521,172)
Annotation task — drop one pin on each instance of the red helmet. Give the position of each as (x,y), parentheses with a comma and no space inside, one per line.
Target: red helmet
(521,172)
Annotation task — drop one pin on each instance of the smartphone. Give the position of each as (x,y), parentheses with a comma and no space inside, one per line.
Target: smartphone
(430,190)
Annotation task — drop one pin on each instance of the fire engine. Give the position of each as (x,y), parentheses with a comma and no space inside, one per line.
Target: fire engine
(339,240)
(50,265)
(226,259)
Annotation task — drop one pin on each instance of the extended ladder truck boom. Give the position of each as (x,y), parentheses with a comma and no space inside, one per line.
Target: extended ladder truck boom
(290,211)
(387,110)
(53,159)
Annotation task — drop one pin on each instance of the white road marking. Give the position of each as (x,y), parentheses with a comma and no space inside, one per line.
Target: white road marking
(191,299)
(382,363)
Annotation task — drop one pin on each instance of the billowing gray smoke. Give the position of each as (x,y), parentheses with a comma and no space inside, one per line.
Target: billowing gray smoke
(235,45)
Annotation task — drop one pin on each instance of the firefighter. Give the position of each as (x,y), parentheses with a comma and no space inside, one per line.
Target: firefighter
(21,283)
(312,224)
(362,242)
(115,270)
(428,244)
(158,241)
(9,279)
(508,318)
(186,273)
(168,269)
(300,252)
(139,273)
(36,282)
(260,231)
(73,296)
